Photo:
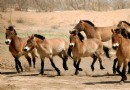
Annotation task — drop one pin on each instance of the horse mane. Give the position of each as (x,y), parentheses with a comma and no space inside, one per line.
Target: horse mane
(11,28)
(81,37)
(89,22)
(124,32)
(39,36)
(125,22)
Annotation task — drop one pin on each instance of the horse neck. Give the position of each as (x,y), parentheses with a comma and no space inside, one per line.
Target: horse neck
(89,31)
(39,43)
(123,42)
(15,40)
(78,45)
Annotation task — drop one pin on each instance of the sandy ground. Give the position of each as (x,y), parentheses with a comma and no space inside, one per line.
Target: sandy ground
(57,24)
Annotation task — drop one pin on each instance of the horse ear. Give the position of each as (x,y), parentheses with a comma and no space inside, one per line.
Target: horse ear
(70,32)
(81,21)
(29,36)
(32,37)
(112,30)
(76,32)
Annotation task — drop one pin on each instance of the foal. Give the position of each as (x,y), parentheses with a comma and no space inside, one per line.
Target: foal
(48,48)
(122,45)
(102,33)
(16,45)
(84,48)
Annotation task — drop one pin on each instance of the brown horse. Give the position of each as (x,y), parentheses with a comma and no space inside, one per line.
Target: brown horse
(124,24)
(102,33)
(126,34)
(48,48)
(16,45)
(84,48)
(122,45)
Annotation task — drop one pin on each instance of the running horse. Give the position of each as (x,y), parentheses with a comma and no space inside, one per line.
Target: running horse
(84,48)
(48,48)
(126,34)
(16,45)
(122,45)
(102,33)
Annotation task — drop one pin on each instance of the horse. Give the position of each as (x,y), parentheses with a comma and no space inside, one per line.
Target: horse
(124,24)
(16,45)
(102,33)
(126,34)
(48,48)
(84,48)
(122,45)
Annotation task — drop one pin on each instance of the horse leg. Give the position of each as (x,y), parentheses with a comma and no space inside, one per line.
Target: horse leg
(124,71)
(100,61)
(77,67)
(42,66)
(34,61)
(53,65)
(128,67)
(16,66)
(19,64)
(114,66)
(64,58)
(118,67)
(29,60)
(94,60)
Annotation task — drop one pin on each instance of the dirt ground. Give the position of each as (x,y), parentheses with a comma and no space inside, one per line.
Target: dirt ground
(57,24)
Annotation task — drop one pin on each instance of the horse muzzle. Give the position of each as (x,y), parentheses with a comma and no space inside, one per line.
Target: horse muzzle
(71,45)
(26,49)
(115,46)
(7,41)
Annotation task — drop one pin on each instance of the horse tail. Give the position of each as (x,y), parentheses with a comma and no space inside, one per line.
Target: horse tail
(70,51)
(106,51)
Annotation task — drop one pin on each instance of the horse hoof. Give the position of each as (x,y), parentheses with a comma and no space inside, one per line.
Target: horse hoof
(66,68)
(114,72)
(92,68)
(18,71)
(58,74)
(76,73)
(128,72)
(125,78)
(102,68)
(80,69)
(121,82)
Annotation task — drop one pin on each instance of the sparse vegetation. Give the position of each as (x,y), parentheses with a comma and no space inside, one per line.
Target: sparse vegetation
(20,20)
(60,5)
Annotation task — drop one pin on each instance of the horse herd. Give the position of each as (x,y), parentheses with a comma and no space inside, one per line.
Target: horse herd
(77,48)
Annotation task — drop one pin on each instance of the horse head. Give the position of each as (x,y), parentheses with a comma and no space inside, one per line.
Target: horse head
(31,44)
(10,33)
(80,26)
(116,38)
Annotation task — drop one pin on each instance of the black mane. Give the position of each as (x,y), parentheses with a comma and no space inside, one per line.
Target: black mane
(39,36)
(11,28)
(81,37)
(89,22)
(124,32)
(126,22)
